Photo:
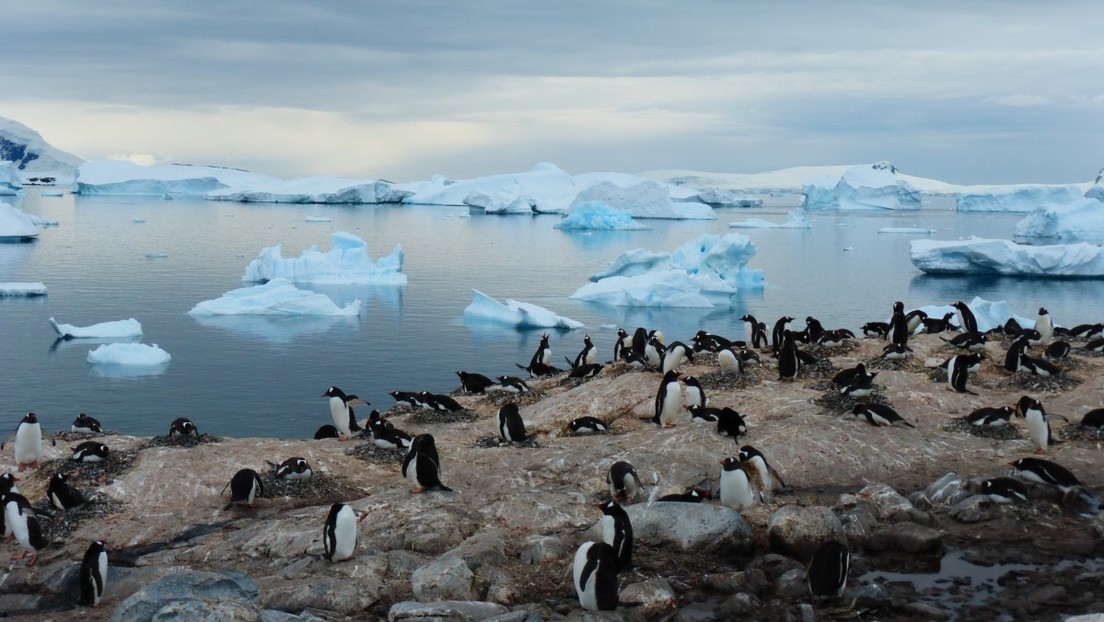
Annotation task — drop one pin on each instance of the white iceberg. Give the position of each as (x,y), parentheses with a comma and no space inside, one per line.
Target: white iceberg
(1079,220)
(119,329)
(16,225)
(127,178)
(875,186)
(598,216)
(514,313)
(318,219)
(1022,198)
(10,183)
(913,230)
(22,289)
(720,197)
(130,354)
(330,190)
(701,273)
(278,297)
(986,256)
(647,199)
(795,219)
(347,263)
(989,315)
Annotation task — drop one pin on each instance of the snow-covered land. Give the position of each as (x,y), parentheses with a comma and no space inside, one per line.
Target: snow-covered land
(718,197)
(703,272)
(131,354)
(346,263)
(127,178)
(598,216)
(16,225)
(988,314)
(869,187)
(514,313)
(10,185)
(31,155)
(334,190)
(985,256)
(1023,198)
(22,289)
(118,329)
(278,297)
(795,219)
(1079,220)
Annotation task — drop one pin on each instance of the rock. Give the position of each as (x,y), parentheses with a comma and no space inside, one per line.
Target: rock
(888,505)
(654,595)
(1089,617)
(539,549)
(348,594)
(907,537)
(925,611)
(193,595)
(973,509)
(451,610)
(947,490)
(740,605)
(858,523)
(869,596)
(447,578)
(1048,594)
(511,616)
(700,612)
(792,584)
(487,547)
(799,531)
(688,526)
(808,613)
(437,531)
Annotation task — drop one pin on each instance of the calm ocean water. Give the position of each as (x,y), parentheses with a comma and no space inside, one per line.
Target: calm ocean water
(262,377)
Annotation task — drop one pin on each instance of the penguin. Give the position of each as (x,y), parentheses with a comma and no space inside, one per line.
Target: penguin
(668,401)
(93,574)
(543,355)
(1003,490)
(84,423)
(731,424)
(693,495)
(737,489)
(654,352)
(28,442)
(1095,345)
(833,338)
(1094,419)
(183,426)
(747,357)
(1038,367)
(513,384)
(7,484)
(595,574)
(634,360)
(510,425)
(991,417)
(675,355)
(1046,472)
(410,397)
(1085,331)
(751,326)
(875,329)
(779,332)
(439,403)
(588,425)
(695,394)
(913,319)
(1033,336)
(63,496)
(622,343)
(898,325)
(587,356)
(586,370)
(23,524)
(1012,356)
(703,414)
(341,410)
(933,326)
(827,573)
(967,323)
(1011,328)
(244,487)
(538,369)
(1038,426)
(21,503)
(325,431)
(729,362)
(375,418)
(959,371)
(972,341)
(339,536)
(895,352)
(844,376)
(617,532)
(879,415)
(789,363)
(813,329)
(422,466)
(293,469)
(1057,351)
(90,451)
(860,386)
(768,476)
(1045,325)
(389,437)
(474,383)
(624,483)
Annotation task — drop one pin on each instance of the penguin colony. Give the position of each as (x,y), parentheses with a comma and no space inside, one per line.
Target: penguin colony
(744,478)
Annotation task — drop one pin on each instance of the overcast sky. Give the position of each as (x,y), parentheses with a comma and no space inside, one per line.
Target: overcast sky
(964,92)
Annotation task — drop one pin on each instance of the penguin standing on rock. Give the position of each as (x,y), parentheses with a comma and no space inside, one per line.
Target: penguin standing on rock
(244,487)
(668,401)
(28,442)
(543,355)
(1038,424)
(22,524)
(779,332)
(898,325)
(958,371)
(768,476)
(93,574)
(595,574)
(422,466)
(737,488)
(339,535)
(967,323)
(1044,324)
(617,532)
(623,481)
(510,424)
(341,410)
(587,356)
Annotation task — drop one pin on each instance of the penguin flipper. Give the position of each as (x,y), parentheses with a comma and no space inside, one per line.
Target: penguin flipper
(9,438)
(53,442)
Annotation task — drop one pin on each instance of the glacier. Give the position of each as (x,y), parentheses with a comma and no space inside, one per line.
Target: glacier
(599,216)
(1023,198)
(795,219)
(514,313)
(121,177)
(118,329)
(16,225)
(867,187)
(721,197)
(277,297)
(328,190)
(10,183)
(347,263)
(988,256)
(1079,220)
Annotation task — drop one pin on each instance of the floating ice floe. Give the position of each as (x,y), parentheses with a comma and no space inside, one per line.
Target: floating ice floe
(647,199)
(16,225)
(347,263)
(329,190)
(988,314)
(1024,198)
(703,272)
(718,197)
(985,256)
(913,230)
(22,289)
(597,216)
(318,219)
(795,219)
(278,297)
(864,187)
(1080,220)
(130,354)
(514,313)
(119,329)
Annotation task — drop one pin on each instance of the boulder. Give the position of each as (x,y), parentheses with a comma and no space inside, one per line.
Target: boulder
(193,595)
(888,505)
(447,578)
(655,596)
(799,531)
(907,537)
(688,526)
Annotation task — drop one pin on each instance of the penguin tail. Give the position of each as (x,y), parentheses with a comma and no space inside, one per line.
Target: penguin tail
(909,424)
(444,488)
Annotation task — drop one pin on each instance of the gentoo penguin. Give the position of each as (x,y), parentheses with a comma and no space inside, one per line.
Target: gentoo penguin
(294,469)
(20,502)
(1095,345)
(737,489)
(633,359)
(668,401)
(729,361)
(28,442)
(8,480)
(730,424)
(813,329)
(1038,367)
(1011,328)
(341,410)
(703,414)
(617,532)
(875,329)
(1057,351)
(894,352)
(938,325)
(90,451)
(779,332)
(325,431)
(588,425)
(183,426)
(1045,325)
(768,477)
(1012,356)
(675,355)
(84,423)
(595,573)
(1046,472)
(439,402)
(622,343)
(389,437)
(339,536)
(410,397)
(751,326)
(654,351)
(958,371)
(474,383)
(1003,490)
(860,385)
(422,466)
(513,384)
(913,319)
(833,338)
(879,415)
(844,376)
(695,394)
(967,323)
(543,355)
(747,357)
(538,369)
(587,356)
(972,341)
(1038,427)
(991,417)
(1094,419)
(1084,331)
(511,427)
(244,487)
(21,521)
(789,363)
(624,483)
(827,573)
(63,496)
(898,325)
(693,495)
(586,370)
(93,574)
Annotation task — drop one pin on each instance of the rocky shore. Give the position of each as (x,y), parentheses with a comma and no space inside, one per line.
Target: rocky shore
(500,546)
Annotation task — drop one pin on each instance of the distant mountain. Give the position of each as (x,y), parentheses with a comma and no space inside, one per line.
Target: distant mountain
(30,153)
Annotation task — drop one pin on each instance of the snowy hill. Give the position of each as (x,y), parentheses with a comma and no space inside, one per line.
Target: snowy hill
(31,154)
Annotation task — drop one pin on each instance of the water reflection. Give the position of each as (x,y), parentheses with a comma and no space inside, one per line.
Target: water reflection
(1079,299)
(128,371)
(275,330)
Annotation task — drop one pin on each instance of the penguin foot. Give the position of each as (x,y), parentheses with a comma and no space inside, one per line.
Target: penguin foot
(1040,451)
(415,491)
(19,558)
(668,425)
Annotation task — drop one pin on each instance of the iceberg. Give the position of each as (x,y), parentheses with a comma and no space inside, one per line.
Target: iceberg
(1004,257)
(514,313)
(795,219)
(16,225)
(10,183)
(1023,198)
(913,230)
(278,297)
(664,288)
(867,187)
(122,177)
(347,263)
(22,289)
(329,190)
(598,216)
(720,197)
(988,314)
(647,199)
(1079,220)
(136,354)
(119,329)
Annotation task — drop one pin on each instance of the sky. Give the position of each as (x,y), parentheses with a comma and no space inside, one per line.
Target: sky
(979,92)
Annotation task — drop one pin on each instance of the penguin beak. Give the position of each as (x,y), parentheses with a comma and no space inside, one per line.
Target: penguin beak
(597,506)
(720,462)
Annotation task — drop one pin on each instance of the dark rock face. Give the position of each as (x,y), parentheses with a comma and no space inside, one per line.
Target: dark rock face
(15,152)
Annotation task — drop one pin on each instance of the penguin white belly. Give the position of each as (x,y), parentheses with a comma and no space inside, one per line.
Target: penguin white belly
(16,522)
(736,491)
(345,534)
(672,403)
(591,357)
(1037,429)
(410,471)
(609,531)
(766,483)
(101,564)
(673,360)
(340,415)
(728,362)
(28,443)
(588,595)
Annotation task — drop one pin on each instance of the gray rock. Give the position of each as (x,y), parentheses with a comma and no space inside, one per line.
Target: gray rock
(858,523)
(792,584)
(688,526)
(972,509)
(349,594)
(700,612)
(740,605)
(510,616)
(539,549)
(888,505)
(1089,617)
(808,613)
(907,537)
(946,491)
(656,596)
(275,615)
(1047,594)
(195,595)
(447,578)
(437,531)
(799,531)
(871,595)
(488,547)
(926,611)
(459,610)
